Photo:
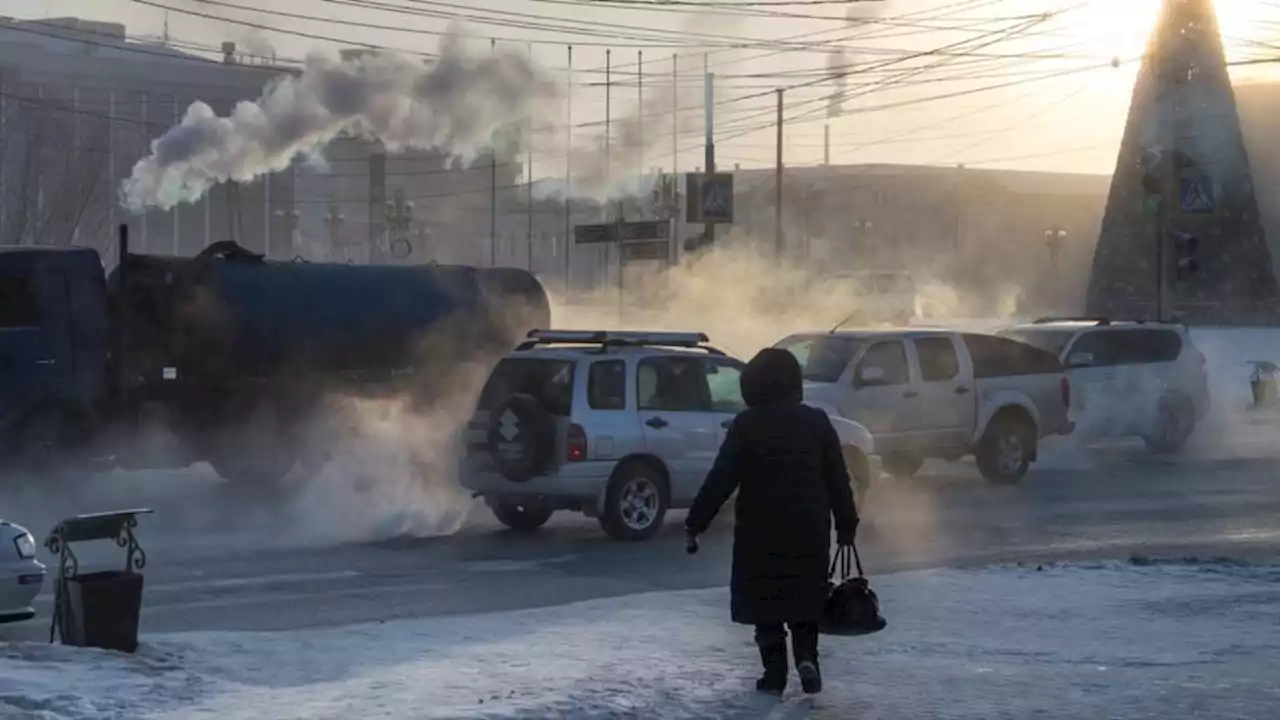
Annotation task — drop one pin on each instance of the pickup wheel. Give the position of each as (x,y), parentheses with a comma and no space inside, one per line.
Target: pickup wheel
(521,516)
(903,467)
(635,502)
(1005,451)
(1174,423)
(859,474)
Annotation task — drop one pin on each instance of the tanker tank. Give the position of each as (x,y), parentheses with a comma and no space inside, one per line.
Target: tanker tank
(228,314)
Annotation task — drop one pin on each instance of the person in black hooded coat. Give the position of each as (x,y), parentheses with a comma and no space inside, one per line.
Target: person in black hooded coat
(784,459)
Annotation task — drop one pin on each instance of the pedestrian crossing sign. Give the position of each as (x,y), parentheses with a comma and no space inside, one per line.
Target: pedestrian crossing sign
(709,197)
(1196,194)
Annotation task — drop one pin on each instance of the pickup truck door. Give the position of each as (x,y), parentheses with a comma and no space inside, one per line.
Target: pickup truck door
(884,396)
(947,398)
(675,417)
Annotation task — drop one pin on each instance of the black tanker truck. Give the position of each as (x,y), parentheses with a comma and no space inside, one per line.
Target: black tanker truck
(225,357)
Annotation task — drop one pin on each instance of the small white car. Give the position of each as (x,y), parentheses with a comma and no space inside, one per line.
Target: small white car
(1130,378)
(21,574)
(621,426)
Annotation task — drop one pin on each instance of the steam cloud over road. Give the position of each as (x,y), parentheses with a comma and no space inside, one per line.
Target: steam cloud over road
(468,100)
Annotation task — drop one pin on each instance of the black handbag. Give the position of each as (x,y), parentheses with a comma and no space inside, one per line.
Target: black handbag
(852,607)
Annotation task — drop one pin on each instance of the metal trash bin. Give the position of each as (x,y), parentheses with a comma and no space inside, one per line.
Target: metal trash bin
(102,610)
(1264,383)
(98,609)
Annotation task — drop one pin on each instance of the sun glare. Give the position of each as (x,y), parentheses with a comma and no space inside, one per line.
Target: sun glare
(1123,27)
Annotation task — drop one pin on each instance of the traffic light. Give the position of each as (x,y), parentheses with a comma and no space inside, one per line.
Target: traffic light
(1186,254)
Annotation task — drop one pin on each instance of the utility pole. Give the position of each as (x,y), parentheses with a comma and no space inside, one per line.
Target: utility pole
(709,229)
(608,139)
(640,104)
(528,176)
(608,161)
(568,172)
(826,144)
(675,119)
(777,187)
(493,187)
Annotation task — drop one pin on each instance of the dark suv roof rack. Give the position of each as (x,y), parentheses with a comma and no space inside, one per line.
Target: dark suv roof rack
(619,338)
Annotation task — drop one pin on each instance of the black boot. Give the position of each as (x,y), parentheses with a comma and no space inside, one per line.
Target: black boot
(804,645)
(772,642)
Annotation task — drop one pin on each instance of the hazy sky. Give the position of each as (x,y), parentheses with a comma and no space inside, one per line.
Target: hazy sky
(1071,122)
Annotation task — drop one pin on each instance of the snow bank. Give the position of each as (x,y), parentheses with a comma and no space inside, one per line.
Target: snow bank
(1104,640)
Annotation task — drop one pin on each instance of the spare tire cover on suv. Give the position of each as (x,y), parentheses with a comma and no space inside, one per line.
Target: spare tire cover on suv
(521,437)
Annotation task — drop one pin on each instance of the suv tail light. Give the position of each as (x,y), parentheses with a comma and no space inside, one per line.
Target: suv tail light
(1066,392)
(576,447)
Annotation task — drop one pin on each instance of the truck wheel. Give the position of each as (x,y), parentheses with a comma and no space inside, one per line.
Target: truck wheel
(903,467)
(859,474)
(1175,421)
(44,444)
(524,517)
(1005,451)
(635,502)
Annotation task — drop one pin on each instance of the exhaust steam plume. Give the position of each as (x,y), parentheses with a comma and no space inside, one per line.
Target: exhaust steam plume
(465,102)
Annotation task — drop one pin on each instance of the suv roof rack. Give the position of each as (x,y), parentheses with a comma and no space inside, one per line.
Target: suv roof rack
(618,338)
(1068,318)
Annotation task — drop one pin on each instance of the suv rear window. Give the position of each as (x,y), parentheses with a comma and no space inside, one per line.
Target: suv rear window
(607,385)
(1001,357)
(548,380)
(1129,347)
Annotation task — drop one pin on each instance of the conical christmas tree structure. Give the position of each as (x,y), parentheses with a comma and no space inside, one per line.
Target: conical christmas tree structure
(1183,172)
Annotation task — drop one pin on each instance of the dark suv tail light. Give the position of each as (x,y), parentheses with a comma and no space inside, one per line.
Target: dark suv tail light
(1066,392)
(576,447)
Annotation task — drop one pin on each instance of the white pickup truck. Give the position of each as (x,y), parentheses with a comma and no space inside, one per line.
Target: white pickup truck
(926,393)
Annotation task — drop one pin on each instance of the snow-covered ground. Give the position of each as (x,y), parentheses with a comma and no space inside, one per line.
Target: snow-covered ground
(1118,640)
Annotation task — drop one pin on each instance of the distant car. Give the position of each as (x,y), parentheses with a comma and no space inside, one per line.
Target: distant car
(21,574)
(621,426)
(935,393)
(1131,378)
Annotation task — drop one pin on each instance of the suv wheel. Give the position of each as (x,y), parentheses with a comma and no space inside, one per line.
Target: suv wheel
(635,502)
(521,516)
(1005,451)
(1175,421)
(903,467)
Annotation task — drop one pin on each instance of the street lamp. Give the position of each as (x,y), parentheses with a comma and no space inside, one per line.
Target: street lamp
(1053,243)
(864,229)
(399,221)
(334,222)
(290,218)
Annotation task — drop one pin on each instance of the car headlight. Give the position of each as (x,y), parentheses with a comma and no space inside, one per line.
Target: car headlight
(26,546)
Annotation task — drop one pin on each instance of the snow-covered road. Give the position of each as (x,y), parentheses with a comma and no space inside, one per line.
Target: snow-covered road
(1113,640)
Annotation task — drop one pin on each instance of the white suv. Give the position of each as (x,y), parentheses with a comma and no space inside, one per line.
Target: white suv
(1130,378)
(620,426)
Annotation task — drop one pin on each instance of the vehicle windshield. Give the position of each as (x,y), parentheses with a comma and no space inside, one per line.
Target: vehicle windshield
(1054,341)
(823,357)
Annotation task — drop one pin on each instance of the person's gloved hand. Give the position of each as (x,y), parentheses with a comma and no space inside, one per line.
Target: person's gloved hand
(690,542)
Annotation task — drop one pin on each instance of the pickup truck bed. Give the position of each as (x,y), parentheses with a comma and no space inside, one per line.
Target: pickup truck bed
(937,393)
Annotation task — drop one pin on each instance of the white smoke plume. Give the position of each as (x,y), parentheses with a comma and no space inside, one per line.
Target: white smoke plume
(465,102)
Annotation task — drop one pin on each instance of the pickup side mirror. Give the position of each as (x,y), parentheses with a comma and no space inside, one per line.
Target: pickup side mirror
(1080,359)
(868,375)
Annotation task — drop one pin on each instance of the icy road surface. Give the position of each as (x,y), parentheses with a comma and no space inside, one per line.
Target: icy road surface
(1087,641)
